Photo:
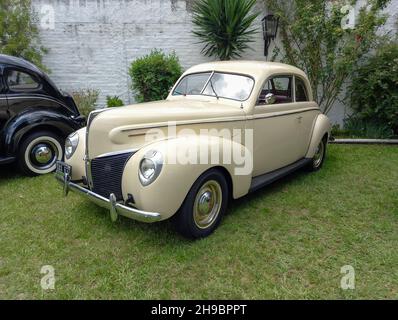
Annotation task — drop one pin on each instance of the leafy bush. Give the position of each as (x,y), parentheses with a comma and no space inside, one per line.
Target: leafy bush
(19,34)
(85,100)
(114,101)
(154,75)
(312,38)
(359,128)
(374,89)
(224,26)
(339,132)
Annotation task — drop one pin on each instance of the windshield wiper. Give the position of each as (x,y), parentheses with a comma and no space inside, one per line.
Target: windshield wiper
(212,87)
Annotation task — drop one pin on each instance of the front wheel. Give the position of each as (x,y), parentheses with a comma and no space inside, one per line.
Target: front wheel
(39,153)
(204,206)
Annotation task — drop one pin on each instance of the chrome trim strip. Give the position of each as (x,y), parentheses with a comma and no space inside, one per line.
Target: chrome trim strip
(87,160)
(115,153)
(115,209)
(180,123)
(219,120)
(284,113)
(207,82)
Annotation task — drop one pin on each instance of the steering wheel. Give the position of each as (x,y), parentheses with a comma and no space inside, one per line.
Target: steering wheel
(194,91)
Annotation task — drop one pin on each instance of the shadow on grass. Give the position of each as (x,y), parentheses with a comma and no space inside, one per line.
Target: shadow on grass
(274,187)
(163,233)
(9,172)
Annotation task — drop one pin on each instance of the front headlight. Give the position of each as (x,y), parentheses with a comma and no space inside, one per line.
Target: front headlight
(71,144)
(150,167)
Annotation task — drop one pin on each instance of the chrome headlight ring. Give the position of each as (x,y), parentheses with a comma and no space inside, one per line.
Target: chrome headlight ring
(150,167)
(71,144)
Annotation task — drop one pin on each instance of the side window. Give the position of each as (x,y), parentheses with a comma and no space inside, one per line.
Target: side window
(20,81)
(301,91)
(280,88)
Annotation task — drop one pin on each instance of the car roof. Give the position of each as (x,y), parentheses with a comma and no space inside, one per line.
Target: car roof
(253,68)
(19,62)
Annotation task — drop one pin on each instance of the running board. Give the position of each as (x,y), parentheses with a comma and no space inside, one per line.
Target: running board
(6,160)
(268,178)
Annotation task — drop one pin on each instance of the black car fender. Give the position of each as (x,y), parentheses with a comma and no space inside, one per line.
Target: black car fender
(30,121)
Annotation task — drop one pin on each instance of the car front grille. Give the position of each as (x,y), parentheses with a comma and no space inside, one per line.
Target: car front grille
(107,172)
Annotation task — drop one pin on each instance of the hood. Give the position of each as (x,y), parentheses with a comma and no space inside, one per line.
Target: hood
(124,128)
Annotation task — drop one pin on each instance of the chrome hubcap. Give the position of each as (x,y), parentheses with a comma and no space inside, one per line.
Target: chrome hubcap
(43,155)
(207,204)
(319,155)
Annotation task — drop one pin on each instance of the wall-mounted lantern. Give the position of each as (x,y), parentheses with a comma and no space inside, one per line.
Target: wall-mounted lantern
(270,30)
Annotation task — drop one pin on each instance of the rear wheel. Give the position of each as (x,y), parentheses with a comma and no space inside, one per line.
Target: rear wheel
(204,206)
(319,157)
(39,153)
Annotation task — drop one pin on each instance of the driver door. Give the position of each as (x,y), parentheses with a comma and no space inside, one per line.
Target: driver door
(275,123)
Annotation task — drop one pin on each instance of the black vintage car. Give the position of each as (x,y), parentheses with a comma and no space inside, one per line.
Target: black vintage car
(35,117)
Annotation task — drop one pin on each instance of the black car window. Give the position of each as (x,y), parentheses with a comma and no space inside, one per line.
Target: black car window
(301,91)
(20,81)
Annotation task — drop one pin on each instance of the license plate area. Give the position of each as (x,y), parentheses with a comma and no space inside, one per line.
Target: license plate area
(63,168)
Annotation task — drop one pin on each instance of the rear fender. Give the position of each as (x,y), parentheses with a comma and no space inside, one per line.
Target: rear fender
(26,122)
(321,128)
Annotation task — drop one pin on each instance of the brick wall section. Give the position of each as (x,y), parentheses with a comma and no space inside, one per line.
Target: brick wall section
(93,42)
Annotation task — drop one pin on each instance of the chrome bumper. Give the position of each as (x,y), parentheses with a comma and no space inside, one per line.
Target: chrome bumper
(114,207)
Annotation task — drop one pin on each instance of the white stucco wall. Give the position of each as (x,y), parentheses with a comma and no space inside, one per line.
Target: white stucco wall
(92,42)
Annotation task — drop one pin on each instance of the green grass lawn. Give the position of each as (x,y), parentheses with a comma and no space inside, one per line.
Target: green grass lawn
(288,241)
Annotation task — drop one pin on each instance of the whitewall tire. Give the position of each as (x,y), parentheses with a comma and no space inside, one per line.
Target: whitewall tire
(39,153)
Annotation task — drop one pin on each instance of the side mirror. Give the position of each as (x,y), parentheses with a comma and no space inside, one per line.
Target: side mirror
(270,98)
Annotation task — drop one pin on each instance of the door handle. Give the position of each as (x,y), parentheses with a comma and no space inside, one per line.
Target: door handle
(299,119)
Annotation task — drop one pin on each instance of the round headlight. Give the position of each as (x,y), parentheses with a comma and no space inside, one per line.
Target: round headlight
(147,168)
(71,143)
(150,167)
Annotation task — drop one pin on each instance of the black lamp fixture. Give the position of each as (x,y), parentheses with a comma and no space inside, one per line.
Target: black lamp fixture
(270,30)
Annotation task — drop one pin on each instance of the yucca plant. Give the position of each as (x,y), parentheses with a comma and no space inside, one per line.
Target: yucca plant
(224,26)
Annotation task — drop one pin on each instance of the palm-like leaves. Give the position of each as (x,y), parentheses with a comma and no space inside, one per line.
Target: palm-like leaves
(224,26)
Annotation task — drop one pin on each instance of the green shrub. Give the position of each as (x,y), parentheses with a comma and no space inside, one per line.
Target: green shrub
(359,128)
(154,75)
(114,101)
(339,132)
(224,26)
(374,90)
(85,100)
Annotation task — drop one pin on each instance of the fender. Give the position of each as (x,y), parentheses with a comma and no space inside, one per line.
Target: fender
(18,126)
(322,126)
(167,193)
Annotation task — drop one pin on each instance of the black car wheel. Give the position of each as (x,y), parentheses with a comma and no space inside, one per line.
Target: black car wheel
(204,206)
(39,153)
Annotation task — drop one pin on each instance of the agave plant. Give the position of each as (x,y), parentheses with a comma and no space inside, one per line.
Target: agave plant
(224,26)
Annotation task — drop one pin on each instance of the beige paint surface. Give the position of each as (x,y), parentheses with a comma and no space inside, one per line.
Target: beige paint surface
(282,133)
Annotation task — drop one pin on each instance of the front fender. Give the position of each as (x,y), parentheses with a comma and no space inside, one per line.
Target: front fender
(17,127)
(322,126)
(167,193)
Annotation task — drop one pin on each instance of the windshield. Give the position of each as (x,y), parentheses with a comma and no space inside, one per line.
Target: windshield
(216,84)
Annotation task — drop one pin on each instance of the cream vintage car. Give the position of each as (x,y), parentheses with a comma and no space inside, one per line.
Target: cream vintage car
(225,130)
